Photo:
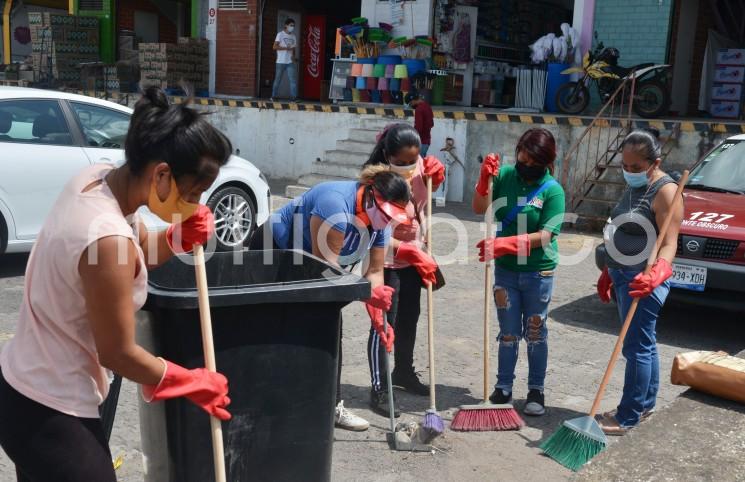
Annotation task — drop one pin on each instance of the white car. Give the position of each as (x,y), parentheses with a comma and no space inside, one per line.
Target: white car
(46,137)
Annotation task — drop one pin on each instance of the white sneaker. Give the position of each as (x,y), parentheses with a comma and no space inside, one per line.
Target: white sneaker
(349,421)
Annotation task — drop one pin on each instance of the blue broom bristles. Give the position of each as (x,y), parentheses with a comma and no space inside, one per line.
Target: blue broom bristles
(433,423)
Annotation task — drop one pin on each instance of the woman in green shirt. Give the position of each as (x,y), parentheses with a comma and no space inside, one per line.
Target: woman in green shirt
(529,210)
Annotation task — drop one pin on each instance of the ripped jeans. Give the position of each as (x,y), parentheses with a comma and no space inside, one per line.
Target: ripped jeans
(522,301)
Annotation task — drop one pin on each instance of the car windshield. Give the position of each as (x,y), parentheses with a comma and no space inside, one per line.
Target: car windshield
(723,170)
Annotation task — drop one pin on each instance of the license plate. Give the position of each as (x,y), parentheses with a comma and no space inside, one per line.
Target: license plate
(686,277)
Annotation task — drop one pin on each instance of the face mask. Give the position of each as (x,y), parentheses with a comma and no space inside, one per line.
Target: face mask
(406,172)
(530,173)
(635,179)
(290,28)
(174,205)
(378,219)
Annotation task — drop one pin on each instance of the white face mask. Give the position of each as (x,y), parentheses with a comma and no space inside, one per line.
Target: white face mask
(290,28)
(405,171)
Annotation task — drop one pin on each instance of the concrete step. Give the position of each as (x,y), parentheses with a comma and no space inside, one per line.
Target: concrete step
(292,191)
(355,146)
(345,158)
(336,169)
(377,123)
(363,135)
(308,181)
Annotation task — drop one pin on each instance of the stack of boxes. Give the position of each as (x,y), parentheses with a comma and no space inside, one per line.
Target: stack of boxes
(60,43)
(729,77)
(169,65)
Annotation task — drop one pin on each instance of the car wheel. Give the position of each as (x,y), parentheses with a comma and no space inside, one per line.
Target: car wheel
(235,217)
(3,236)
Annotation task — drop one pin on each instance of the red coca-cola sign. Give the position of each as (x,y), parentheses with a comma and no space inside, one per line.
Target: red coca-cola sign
(314,60)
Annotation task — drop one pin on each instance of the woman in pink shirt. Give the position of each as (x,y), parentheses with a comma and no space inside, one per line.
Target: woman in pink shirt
(86,277)
(410,267)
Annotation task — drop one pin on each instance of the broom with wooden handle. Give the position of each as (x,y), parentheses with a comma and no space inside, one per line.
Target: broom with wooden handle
(487,416)
(579,440)
(432,420)
(205,319)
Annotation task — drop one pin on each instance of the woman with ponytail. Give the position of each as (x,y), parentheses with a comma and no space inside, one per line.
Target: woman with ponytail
(86,278)
(345,223)
(398,149)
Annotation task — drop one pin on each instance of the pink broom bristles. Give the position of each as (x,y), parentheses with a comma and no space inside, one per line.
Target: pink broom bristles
(486,420)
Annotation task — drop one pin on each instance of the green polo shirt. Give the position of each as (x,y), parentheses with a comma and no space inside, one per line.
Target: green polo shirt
(544,213)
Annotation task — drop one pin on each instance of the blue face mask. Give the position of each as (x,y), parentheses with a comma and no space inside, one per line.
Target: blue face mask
(635,179)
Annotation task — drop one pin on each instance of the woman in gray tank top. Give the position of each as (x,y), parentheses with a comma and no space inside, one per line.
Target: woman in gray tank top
(629,239)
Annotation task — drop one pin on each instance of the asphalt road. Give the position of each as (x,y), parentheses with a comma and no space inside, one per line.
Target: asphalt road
(582,332)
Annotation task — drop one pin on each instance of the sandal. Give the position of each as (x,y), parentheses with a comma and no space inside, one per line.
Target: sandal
(610,426)
(612,414)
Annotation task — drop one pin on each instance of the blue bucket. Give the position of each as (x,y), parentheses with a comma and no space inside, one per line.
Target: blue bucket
(368,60)
(554,81)
(415,66)
(389,59)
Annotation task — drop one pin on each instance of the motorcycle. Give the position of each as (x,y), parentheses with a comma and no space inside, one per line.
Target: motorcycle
(651,92)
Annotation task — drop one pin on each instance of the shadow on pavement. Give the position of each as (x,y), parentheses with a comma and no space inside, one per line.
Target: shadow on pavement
(690,327)
(448,398)
(549,423)
(13,265)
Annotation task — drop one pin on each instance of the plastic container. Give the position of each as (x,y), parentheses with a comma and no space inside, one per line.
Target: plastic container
(356,70)
(414,66)
(376,97)
(350,82)
(386,97)
(389,59)
(372,83)
(400,72)
(356,97)
(394,84)
(438,91)
(379,71)
(390,71)
(368,60)
(406,85)
(361,83)
(367,70)
(554,81)
(276,333)
(383,84)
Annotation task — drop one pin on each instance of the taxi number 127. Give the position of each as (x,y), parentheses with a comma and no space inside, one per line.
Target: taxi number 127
(710,217)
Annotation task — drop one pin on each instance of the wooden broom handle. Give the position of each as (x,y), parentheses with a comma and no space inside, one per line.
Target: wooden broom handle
(634,304)
(487,289)
(205,319)
(430,304)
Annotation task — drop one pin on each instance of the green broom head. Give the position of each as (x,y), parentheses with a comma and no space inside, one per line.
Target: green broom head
(399,40)
(359,21)
(424,41)
(575,443)
(376,35)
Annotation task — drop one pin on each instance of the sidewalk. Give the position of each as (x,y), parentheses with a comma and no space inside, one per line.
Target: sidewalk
(696,437)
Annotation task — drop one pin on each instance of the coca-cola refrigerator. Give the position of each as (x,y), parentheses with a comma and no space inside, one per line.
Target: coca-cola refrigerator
(314,61)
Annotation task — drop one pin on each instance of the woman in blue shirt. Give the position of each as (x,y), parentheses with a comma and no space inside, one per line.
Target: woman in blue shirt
(344,223)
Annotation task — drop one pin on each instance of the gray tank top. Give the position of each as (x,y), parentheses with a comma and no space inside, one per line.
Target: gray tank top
(630,217)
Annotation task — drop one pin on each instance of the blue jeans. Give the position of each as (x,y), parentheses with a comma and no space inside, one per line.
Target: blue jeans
(642,380)
(424,150)
(291,75)
(522,301)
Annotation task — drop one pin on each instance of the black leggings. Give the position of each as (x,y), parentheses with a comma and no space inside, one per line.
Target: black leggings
(49,446)
(403,317)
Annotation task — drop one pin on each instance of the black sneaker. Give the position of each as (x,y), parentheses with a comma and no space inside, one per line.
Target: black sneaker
(409,381)
(379,403)
(535,405)
(499,397)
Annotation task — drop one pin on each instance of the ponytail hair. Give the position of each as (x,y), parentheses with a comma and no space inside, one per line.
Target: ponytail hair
(391,186)
(540,145)
(172,133)
(389,142)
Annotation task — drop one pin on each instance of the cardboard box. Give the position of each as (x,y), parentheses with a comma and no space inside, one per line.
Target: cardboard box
(725,109)
(731,57)
(729,74)
(731,92)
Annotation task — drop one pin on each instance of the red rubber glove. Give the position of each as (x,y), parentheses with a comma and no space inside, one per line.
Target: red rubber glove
(206,389)
(493,248)
(605,285)
(198,229)
(435,169)
(381,297)
(489,169)
(644,284)
(379,324)
(425,264)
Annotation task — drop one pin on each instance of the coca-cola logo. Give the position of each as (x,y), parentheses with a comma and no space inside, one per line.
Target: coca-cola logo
(314,45)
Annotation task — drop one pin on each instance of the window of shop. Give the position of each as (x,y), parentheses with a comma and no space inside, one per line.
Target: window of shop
(232,5)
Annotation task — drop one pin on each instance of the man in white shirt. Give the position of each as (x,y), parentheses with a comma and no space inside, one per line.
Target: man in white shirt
(285,45)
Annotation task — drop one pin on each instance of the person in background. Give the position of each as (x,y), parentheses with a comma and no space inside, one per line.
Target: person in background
(423,120)
(410,268)
(646,202)
(87,276)
(345,223)
(526,254)
(285,44)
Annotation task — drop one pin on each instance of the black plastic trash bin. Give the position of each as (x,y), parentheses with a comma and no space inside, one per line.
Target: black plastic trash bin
(276,330)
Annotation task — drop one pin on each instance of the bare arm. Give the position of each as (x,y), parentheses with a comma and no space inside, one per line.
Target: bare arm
(375,273)
(277,46)
(480,203)
(107,285)
(662,203)
(328,248)
(159,252)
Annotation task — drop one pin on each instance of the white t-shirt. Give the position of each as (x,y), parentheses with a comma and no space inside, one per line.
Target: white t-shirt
(285,40)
